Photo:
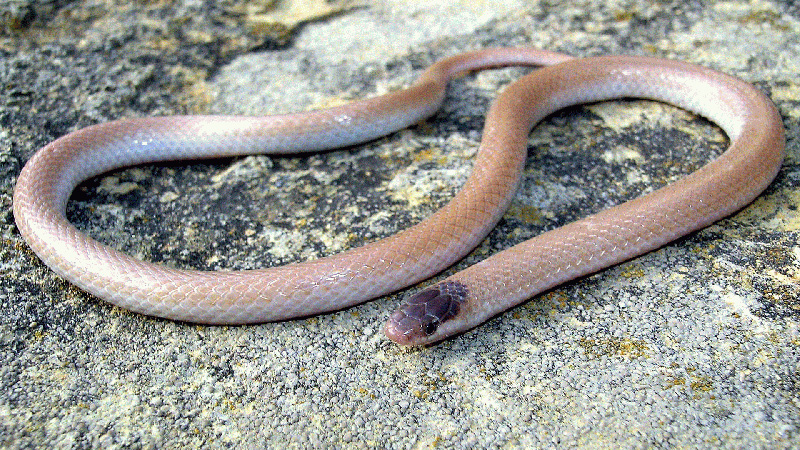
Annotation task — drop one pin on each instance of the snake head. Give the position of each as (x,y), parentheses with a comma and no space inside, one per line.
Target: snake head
(418,318)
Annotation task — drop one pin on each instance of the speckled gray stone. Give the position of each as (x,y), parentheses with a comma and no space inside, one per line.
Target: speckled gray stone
(691,346)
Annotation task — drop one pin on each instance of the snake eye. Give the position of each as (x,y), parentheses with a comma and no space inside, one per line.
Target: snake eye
(431,327)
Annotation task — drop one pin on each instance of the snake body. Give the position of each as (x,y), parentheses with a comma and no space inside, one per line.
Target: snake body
(461,301)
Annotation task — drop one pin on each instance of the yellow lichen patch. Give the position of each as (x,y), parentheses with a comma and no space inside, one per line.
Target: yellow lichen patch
(675,381)
(622,153)
(410,194)
(229,404)
(425,154)
(112,185)
(624,16)
(197,96)
(789,92)
(632,271)
(760,17)
(365,392)
(612,346)
(525,213)
(779,209)
(702,384)
(552,302)
(278,19)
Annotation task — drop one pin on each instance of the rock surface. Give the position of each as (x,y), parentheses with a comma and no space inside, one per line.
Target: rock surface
(693,345)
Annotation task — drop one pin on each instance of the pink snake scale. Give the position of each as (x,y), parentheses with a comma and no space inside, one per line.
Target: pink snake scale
(468,297)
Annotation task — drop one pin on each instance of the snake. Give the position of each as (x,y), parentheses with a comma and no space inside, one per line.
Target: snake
(461,301)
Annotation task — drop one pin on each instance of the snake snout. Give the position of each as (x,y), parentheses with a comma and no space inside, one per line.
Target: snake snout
(419,317)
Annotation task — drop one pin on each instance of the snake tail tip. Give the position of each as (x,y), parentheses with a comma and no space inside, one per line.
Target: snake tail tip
(418,318)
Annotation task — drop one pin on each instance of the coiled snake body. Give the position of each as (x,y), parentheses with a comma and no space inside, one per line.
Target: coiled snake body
(461,301)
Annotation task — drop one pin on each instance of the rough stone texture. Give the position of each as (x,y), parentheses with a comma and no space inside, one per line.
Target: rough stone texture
(693,345)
